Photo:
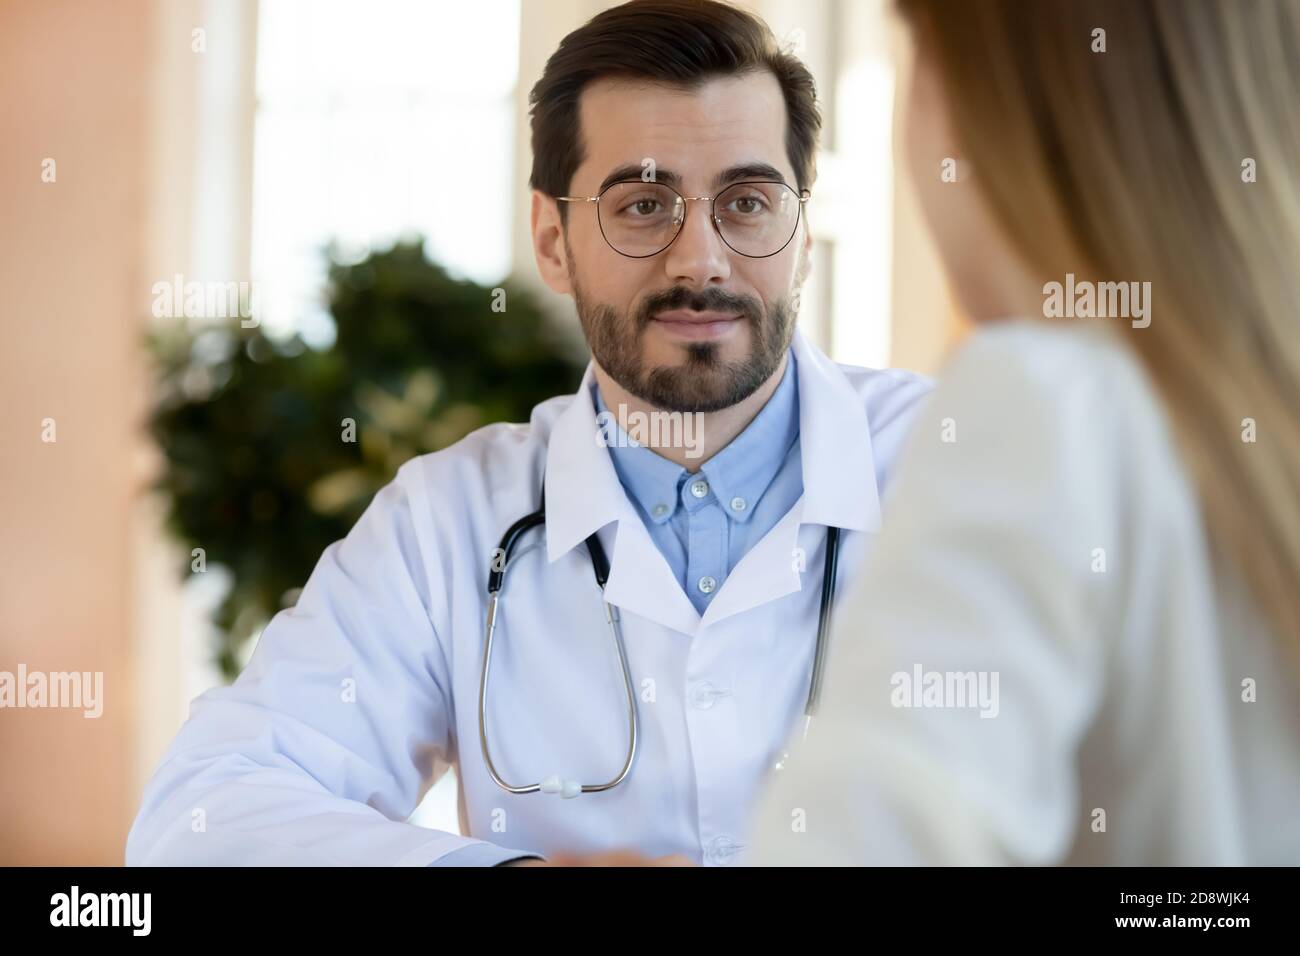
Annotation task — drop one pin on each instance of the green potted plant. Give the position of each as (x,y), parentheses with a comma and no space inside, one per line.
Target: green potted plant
(261,468)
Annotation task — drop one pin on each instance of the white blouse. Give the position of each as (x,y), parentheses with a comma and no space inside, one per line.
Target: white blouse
(1040,664)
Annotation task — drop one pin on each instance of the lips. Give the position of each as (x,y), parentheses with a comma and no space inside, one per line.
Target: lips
(697,326)
(691,317)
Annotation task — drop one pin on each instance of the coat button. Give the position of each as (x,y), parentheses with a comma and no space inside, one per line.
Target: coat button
(722,850)
(704,695)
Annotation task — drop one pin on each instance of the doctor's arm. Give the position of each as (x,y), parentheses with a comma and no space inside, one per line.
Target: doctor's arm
(318,751)
(967,666)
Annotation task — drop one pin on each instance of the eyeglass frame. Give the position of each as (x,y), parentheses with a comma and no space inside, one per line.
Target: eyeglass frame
(803,195)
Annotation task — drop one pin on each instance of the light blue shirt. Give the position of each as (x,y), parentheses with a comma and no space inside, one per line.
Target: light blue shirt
(704,523)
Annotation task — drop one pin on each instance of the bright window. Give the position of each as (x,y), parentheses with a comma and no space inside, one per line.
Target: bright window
(375,121)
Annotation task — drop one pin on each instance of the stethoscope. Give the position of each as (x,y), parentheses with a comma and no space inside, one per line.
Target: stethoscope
(600,567)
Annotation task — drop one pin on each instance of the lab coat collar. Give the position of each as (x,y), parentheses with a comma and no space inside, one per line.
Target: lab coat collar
(583,494)
(839,469)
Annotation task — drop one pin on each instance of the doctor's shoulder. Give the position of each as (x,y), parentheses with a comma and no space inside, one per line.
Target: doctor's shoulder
(893,400)
(466,488)
(891,397)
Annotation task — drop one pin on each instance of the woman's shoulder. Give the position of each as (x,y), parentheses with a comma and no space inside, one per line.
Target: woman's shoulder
(1051,357)
(1056,436)
(1048,386)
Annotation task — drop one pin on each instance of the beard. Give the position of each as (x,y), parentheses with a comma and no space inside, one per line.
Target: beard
(704,381)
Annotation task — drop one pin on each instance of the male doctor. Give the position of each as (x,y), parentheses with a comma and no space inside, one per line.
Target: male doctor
(674,146)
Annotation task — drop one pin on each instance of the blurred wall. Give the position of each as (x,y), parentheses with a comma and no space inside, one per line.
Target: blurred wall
(74,87)
(149,130)
(925,319)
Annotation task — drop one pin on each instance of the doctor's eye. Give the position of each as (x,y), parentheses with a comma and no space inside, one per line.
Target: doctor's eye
(748,205)
(644,207)
(626,205)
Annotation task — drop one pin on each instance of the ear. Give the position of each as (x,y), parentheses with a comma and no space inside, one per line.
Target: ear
(548,243)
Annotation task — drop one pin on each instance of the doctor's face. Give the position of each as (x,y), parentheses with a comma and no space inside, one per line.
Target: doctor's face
(698,326)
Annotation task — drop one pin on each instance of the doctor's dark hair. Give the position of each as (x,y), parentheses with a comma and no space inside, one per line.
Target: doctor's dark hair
(682,43)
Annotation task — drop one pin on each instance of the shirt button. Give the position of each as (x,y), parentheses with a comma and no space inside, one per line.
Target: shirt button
(699,488)
(704,695)
(660,511)
(737,504)
(722,850)
(706,584)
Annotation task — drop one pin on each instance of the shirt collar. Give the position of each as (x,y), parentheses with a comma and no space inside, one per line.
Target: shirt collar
(583,491)
(649,479)
(743,470)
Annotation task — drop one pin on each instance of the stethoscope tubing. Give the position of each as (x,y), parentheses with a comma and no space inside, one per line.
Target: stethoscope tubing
(600,569)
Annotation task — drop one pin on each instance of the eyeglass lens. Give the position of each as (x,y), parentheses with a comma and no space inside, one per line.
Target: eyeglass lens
(755,219)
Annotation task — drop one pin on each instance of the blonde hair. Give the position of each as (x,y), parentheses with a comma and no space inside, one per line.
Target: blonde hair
(1135,164)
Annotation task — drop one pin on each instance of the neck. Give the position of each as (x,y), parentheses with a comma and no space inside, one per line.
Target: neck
(688,439)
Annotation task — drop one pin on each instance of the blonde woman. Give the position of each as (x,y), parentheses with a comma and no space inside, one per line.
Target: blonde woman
(1078,639)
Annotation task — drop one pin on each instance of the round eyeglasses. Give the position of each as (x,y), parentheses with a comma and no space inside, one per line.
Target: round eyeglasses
(640,219)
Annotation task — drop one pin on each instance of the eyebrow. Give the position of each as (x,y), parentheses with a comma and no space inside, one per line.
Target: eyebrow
(764,172)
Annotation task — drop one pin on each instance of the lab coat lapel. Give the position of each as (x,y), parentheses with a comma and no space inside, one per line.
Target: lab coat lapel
(769,570)
(583,494)
(640,580)
(839,469)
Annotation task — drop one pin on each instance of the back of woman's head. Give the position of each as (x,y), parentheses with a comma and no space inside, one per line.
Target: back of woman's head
(1159,141)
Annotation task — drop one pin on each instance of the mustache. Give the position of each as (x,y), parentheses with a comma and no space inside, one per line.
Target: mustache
(704,300)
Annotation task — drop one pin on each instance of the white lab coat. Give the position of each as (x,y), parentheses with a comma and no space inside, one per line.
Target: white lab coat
(355,699)
(1043,529)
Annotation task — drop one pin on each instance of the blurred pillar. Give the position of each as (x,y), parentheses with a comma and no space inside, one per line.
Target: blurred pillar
(102,107)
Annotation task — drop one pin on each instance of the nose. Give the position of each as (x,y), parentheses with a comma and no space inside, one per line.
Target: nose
(698,257)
